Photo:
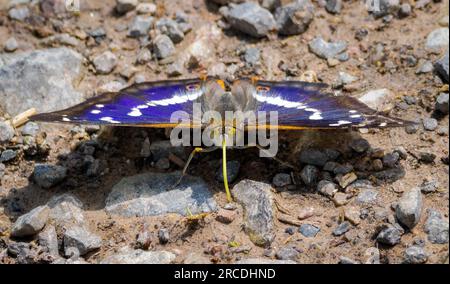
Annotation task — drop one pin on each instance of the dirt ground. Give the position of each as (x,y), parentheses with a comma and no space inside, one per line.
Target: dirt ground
(400,36)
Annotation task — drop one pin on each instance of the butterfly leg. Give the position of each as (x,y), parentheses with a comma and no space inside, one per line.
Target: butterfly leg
(224,169)
(191,156)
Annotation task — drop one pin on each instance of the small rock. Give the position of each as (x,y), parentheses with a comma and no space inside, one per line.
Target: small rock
(425,67)
(30,223)
(359,145)
(226,216)
(49,240)
(61,39)
(81,239)
(318,157)
(175,69)
(140,26)
(290,230)
(389,236)
(170,28)
(146,8)
(163,236)
(405,10)
(124,6)
(251,19)
(252,56)
(308,230)
(377,99)
(11,44)
(334,6)
(442,103)
(19,14)
(144,56)
(426,157)
(429,186)
(386,7)
(305,213)
(436,227)
(415,255)
(325,50)
(30,129)
(309,175)
(66,210)
(390,175)
(352,215)
(391,159)
(8,155)
(294,18)
(105,62)
(6,132)
(163,148)
(345,78)
(257,200)
(327,188)
(441,67)
(342,228)
(430,124)
(346,260)
(287,253)
(409,208)
(437,39)
(367,196)
(163,46)
(372,256)
(47,176)
(232,171)
(130,256)
(281,179)
(346,180)
(340,199)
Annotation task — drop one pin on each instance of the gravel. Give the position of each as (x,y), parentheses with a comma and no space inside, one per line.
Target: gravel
(11,45)
(430,124)
(389,236)
(367,196)
(437,39)
(287,253)
(81,239)
(318,157)
(47,176)
(308,230)
(30,223)
(294,18)
(342,228)
(8,155)
(281,179)
(251,19)
(441,67)
(415,255)
(105,62)
(170,28)
(409,208)
(163,47)
(30,129)
(333,6)
(442,103)
(326,50)
(377,99)
(140,26)
(309,175)
(6,132)
(327,188)
(436,227)
(124,6)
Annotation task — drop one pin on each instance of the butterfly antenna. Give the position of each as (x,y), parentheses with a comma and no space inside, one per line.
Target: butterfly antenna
(224,168)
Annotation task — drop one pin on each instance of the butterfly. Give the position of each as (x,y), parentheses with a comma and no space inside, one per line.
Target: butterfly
(299,105)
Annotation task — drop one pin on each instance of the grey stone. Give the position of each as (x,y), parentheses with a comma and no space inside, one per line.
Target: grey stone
(163,148)
(308,230)
(318,157)
(390,175)
(232,171)
(45,83)
(146,8)
(49,240)
(429,186)
(30,129)
(151,194)
(430,124)
(309,175)
(409,208)
(389,236)
(295,17)
(8,155)
(415,255)
(251,19)
(333,6)
(326,50)
(6,132)
(425,67)
(124,6)
(426,157)
(175,69)
(287,253)
(342,169)
(163,46)
(391,159)
(257,200)
(105,62)
(264,261)
(441,67)
(81,239)
(437,39)
(342,228)
(386,7)
(30,223)
(327,188)
(130,256)
(60,39)
(420,4)
(47,176)
(377,99)
(367,196)
(140,26)
(359,145)
(436,227)
(442,103)
(2,170)
(163,236)
(19,14)
(144,56)
(281,179)
(66,210)
(252,56)
(345,78)
(405,10)
(11,44)
(170,28)
(372,256)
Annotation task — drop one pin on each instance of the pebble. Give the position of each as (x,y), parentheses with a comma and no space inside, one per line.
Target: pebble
(389,236)
(294,18)
(105,62)
(6,132)
(405,10)
(309,175)
(163,236)
(367,196)
(342,228)
(390,175)
(306,213)
(290,230)
(144,56)
(437,39)
(340,199)
(163,46)
(127,255)
(327,188)
(146,8)
(257,200)
(391,159)
(415,255)
(8,155)
(429,186)
(426,157)
(140,26)
(409,208)
(346,260)
(47,176)
(81,239)
(352,215)
(441,67)
(124,6)
(436,227)
(430,124)
(378,99)
(287,253)
(345,78)
(226,216)
(386,7)
(251,19)
(372,255)
(61,39)
(11,45)
(30,128)
(233,168)
(333,6)
(252,56)
(170,28)
(325,50)
(359,145)
(318,157)
(346,180)
(19,14)
(49,240)
(442,103)
(425,67)
(30,223)
(308,230)
(281,179)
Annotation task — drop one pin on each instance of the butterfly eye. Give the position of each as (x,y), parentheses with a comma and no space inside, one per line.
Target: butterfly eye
(263,88)
(192,87)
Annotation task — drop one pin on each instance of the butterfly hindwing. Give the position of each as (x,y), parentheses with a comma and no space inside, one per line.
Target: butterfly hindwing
(146,104)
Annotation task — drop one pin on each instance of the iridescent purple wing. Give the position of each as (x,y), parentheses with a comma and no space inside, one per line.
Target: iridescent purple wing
(146,104)
(306,105)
